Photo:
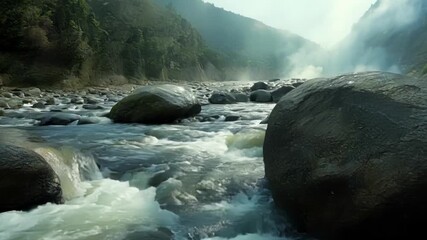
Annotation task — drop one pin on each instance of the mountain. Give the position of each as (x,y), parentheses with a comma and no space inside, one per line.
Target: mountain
(79,42)
(391,36)
(248,45)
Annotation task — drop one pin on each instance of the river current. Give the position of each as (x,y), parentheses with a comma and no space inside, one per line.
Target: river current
(191,180)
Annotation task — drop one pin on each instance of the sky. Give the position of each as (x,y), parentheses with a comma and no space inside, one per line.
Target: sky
(325,22)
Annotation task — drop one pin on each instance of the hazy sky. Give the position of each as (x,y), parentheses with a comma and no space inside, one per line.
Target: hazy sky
(323,21)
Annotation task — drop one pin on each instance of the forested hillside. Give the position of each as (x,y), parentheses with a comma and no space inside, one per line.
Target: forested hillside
(248,45)
(78,42)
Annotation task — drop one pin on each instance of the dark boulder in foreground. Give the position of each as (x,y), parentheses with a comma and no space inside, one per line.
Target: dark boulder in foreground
(346,158)
(26,180)
(156,105)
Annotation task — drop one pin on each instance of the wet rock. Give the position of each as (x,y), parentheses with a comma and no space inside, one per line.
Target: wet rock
(222,98)
(265,120)
(259,86)
(241,97)
(156,105)
(59,119)
(89,120)
(18,93)
(297,84)
(35,92)
(91,100)
(52,101)
(112,98)
(346,157)
(92,107)
(231,118)
(26,180)
(4,104)
(1,113)
(280,92)
(261,96)
(77,100)
(15,103)
(39,105)
(7,95)
(27,101)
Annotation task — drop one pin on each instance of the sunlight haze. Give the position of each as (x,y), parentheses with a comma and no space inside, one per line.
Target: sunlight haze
(323,21)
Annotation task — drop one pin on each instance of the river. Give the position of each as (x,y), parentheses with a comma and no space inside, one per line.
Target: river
(190,180)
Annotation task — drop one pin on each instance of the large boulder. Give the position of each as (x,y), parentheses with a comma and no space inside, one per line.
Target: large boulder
(261,96)
(346,158)
(156,105)
(26,180)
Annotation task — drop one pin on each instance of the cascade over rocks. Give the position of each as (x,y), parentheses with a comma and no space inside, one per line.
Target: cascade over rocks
(156,105)
(346,157)
(26,180)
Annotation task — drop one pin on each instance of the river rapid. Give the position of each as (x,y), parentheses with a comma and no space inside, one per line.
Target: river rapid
(190,180)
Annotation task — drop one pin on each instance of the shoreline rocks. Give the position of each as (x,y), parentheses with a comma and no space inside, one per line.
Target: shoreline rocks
(346,157)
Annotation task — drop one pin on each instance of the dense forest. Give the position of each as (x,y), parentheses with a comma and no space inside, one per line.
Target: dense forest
(85,42)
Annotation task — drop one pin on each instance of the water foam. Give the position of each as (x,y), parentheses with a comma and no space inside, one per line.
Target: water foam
(109,210)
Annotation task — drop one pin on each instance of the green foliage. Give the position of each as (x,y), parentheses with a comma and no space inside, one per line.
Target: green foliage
(82,38)
(151,40)
(25,24)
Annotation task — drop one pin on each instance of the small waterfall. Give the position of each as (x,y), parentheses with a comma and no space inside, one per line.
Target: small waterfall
(72,167)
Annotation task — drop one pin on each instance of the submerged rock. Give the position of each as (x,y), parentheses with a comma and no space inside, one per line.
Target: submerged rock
(346,157)
(26,180)
(156,105)
(241,97)
(39,105)
(59,119)
(231,118)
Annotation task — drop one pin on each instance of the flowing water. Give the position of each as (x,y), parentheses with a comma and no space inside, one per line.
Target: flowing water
(192,180)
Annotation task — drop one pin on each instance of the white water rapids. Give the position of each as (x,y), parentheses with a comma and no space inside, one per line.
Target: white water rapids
(194,180)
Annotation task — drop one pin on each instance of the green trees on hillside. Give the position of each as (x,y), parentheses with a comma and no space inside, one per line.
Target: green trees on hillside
(48,40)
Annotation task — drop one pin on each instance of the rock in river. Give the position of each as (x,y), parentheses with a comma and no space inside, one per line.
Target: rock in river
(156,105)
(59,119)
(222,98)
(26,180)
(261,96)
(346,158)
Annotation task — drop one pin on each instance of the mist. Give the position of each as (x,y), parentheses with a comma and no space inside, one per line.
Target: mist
(361,49)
